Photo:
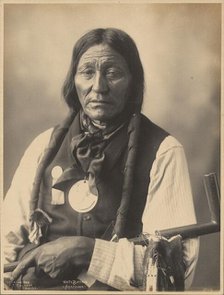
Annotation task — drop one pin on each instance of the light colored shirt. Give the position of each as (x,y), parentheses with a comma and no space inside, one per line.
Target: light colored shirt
(169,204)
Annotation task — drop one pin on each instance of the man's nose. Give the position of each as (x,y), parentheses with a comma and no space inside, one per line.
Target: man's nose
(100,83)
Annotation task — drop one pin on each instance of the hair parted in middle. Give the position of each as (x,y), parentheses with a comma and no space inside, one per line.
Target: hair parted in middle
(125,46)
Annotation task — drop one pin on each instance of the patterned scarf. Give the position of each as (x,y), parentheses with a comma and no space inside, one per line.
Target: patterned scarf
(88,147)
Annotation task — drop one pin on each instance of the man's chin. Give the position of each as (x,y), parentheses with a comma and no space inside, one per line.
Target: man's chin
(99,115)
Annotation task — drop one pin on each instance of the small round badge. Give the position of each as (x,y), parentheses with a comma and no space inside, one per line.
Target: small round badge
(56,172)
(80,197)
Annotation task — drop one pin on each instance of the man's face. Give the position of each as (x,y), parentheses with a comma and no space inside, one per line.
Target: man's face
(102,81)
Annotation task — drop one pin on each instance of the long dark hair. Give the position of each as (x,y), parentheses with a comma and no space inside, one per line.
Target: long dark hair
(125,46)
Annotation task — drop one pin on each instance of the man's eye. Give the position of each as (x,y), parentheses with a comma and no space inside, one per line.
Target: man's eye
(114,74)
(88,73)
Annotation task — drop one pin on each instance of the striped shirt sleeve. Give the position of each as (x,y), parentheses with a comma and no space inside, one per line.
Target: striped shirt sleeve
(169,204)
(17,199)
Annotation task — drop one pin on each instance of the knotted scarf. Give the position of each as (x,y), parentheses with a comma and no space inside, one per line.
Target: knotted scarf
(87,148)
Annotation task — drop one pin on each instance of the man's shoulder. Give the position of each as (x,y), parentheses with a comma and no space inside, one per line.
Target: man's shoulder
(157,136)
(150,138)
(43,137)
(39,143)
(151,130)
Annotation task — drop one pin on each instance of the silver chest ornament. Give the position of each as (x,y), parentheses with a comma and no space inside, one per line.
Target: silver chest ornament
(80,198)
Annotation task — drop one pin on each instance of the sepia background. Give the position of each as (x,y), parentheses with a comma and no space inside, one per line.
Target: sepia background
(180,48)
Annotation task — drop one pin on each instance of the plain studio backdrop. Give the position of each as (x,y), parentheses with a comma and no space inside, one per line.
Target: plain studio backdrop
(180,48)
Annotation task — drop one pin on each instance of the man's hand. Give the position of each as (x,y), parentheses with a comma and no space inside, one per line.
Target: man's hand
(56,256)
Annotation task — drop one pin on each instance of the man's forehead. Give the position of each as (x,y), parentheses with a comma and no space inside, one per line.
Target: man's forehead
(100,52)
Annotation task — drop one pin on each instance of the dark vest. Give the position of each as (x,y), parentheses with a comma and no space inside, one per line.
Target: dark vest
(98,223)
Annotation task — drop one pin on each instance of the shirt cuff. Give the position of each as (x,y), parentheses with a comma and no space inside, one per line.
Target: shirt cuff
(102,260)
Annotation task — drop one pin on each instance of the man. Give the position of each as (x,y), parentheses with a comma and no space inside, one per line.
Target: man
(85,189)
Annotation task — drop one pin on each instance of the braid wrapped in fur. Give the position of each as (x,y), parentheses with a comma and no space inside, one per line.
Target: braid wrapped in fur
(133,131)
(39,220)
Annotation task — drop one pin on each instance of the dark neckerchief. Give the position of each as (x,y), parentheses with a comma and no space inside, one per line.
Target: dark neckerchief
(88,147)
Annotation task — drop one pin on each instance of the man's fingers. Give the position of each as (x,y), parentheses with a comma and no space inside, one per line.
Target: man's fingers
(25,263)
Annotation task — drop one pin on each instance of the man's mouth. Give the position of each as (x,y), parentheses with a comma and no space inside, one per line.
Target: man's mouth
(99,102)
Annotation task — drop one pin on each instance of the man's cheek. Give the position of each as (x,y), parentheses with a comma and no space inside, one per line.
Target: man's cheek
(83,96)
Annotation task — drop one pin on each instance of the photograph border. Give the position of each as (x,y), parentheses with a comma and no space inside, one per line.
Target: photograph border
(2,3)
